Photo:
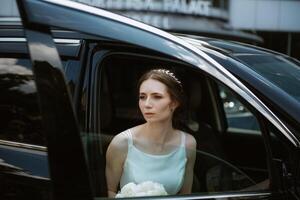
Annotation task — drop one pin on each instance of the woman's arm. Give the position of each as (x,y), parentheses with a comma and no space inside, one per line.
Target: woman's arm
(115,156)
(189,169)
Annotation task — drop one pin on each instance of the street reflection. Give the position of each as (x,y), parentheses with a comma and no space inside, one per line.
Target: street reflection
(20,115)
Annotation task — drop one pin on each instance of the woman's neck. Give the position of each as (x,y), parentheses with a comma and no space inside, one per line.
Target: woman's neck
(159,132)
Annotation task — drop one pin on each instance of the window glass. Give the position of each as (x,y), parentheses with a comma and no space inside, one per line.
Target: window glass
(241,134)
(217,165)
(285,160)
(21,119)
(23,168)
(280,71)
(72,70)
(237,115)
(19,109)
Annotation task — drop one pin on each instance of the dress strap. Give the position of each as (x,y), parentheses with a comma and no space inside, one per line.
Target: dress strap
(129,136)
(182,138)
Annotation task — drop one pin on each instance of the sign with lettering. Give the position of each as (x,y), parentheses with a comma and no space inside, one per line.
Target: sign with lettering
(187,7)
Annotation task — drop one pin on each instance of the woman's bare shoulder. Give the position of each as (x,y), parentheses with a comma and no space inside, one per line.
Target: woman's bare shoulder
(190,141)
(120,141)
(117,150)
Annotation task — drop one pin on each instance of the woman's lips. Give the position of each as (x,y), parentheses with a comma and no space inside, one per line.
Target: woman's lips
(148,114)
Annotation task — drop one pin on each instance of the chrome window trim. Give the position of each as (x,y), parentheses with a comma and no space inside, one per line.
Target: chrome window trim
(6,39)
(22,174)
(59,41)
(218,196)
(67,41)
(244,131)
(23,145)
(217,71)
(208,196)
(10,19)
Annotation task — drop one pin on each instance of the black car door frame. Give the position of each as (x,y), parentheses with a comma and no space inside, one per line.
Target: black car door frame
(38,16)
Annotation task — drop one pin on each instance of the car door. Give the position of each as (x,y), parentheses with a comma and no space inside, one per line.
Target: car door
(68,168)
(23,153)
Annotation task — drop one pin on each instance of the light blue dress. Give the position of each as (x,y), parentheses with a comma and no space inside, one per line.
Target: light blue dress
(168,169)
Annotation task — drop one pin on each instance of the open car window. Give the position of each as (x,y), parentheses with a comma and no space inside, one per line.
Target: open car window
(225,162)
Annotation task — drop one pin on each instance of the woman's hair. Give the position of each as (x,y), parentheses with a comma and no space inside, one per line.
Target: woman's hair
(174,88)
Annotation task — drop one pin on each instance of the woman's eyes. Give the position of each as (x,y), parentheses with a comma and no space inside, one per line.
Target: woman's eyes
(157,97)
(142,97)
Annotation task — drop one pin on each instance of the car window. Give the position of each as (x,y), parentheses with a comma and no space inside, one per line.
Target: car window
(238,117)
(72,70)
(280,71)
(23,158)
(23,154)
(21,119)
(217,166)
(242,132)
(20,114)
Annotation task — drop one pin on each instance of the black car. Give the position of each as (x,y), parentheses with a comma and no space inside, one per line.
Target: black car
(68,76)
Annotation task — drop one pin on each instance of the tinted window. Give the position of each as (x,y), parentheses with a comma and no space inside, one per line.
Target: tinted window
(72,70)
(19,109)
(24,169)
(278,70)
(237,114)
(242,133)
(21,119)
(285,159)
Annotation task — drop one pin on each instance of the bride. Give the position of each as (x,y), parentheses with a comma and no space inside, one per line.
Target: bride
(154,151)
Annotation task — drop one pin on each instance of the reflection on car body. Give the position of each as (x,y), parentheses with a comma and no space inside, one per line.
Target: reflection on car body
(61,110)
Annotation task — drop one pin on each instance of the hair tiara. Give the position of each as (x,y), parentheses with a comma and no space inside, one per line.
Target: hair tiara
(170,74)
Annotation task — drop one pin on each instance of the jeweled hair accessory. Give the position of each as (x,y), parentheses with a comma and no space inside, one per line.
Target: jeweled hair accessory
(170,74)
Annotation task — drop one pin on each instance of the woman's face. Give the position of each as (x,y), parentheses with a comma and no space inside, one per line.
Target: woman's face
(155,102)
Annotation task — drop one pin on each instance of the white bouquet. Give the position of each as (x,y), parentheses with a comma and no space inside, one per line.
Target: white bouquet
(147,188)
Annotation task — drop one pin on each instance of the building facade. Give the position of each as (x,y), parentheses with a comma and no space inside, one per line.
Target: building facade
(276,21)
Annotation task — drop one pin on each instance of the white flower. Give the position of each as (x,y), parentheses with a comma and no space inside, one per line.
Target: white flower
(147,188)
